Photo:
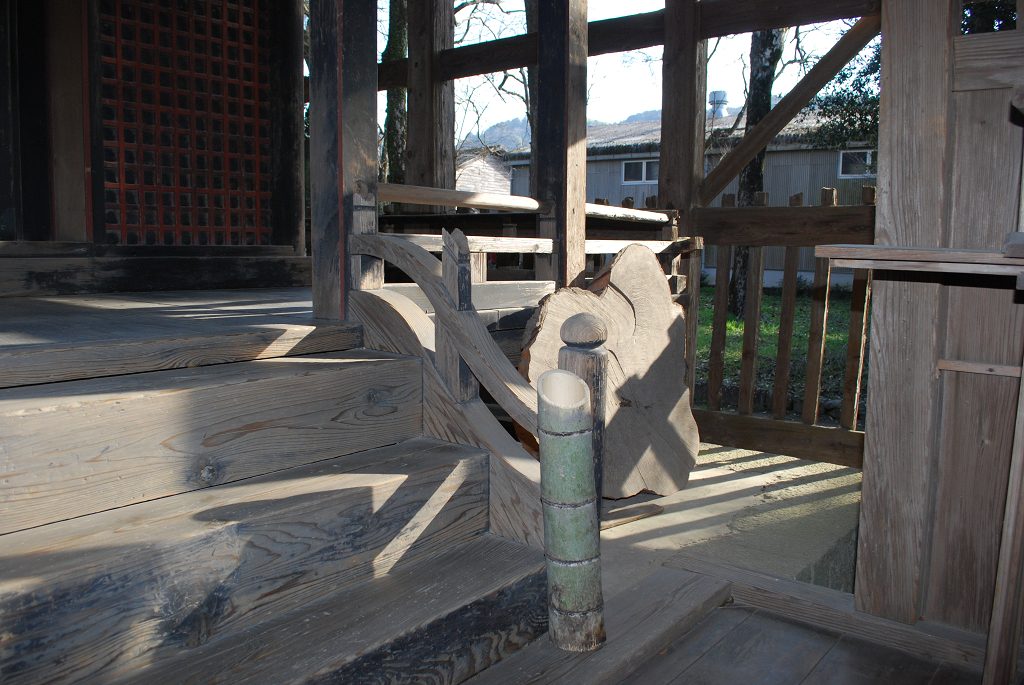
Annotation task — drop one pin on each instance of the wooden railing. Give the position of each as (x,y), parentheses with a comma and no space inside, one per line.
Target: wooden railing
(740,429)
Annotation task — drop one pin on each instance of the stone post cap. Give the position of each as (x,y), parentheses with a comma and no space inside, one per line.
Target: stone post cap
(584,330)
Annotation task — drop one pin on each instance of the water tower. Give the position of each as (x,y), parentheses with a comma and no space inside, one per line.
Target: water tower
(718,100)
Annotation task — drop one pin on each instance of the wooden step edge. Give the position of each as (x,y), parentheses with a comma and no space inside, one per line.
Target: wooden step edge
(640,622)
(833,609)
(441,619)
(57,363)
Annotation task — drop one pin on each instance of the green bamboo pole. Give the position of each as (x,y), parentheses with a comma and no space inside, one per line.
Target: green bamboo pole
(572,544)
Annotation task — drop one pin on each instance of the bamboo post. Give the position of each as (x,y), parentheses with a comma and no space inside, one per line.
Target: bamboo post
(584,354)
(572,544)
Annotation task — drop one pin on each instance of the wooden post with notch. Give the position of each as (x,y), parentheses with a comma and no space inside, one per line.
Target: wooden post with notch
(343,149)
(430,146)
(560,150)
(681,162)
(716,359)
(819,323)
(787,318)
(752,320)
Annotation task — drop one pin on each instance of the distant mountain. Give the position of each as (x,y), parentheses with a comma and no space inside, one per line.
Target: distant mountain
(649,115)
(511,135)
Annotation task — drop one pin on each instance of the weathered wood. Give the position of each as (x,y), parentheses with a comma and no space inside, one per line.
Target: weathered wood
(626,214)
(67,120)
(560,138)
(787,319)
(916,254)
(193,428)
(633,32)
(444,197)
(650,438)
(854,660)
(751,329)
(487,601)
(860,296)
(816,339)
(59,276)
(934,267)
(784,226)
(755,140)
(978,367)
(287,126)
(430,142)
(716,361)
(642,621)
(222,559)
(628,514)
(814,443)
(395,324)
(457,279)
(988,61)
(899,453)
(502,245)
(834,610)
(492,295)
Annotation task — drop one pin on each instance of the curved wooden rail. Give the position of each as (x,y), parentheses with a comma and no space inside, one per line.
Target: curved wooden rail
(467,332)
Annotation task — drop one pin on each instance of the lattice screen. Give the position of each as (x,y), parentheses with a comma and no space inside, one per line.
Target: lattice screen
(186,121)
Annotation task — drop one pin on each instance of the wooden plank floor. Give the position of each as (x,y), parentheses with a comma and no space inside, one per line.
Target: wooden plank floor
(744,645)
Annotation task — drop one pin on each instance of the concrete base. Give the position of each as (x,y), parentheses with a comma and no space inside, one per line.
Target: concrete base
(783,516)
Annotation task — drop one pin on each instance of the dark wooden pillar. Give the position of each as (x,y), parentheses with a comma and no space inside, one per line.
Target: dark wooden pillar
(10,186)
(34,122)
(560,149)
(430,145)
(287,178)
(343,148)
(681,167)
(94,141)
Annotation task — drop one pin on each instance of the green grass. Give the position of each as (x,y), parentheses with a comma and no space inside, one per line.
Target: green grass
(835,343)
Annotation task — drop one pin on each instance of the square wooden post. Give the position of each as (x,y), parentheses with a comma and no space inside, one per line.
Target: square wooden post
(681,167)
(343,148)
(560,142)
(287,178)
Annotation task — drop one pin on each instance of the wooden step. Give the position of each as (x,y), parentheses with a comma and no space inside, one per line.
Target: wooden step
(52,339)
(438,621)
(87,599)
(80,447)
(640,622)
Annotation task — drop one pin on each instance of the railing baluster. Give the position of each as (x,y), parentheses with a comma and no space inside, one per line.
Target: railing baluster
(716,359)
(787,318)
(457,277)
(752,320)
(819,324)
(860,296)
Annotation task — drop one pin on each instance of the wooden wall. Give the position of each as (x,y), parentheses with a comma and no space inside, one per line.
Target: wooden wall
(938,445)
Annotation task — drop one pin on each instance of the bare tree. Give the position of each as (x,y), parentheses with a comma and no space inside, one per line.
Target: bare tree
(392,158)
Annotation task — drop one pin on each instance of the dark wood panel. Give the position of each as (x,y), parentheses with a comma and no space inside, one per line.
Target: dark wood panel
(726,17)
(10,154)
(288,169)
(56,276)
(785,226)
(815,443)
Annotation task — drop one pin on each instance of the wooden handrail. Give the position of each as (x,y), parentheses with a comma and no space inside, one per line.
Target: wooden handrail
(463,327)
(507,245)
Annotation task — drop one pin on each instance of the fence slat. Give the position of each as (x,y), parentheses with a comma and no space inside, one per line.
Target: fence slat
(786,320)
(716,360)
(816,344)
(751,328)
(861,295)
(692,266)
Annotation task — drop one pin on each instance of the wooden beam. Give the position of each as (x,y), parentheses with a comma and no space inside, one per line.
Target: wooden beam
(988,60)
(430,146)
(815,443)
(560,152)
(979,367)
(634,32)
(390,192)
(755,140)
(343,149)
(10,178)
(288,170)
(917,254)
(784,226)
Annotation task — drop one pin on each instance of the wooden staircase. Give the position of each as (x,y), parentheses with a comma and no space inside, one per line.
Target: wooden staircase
(282,520)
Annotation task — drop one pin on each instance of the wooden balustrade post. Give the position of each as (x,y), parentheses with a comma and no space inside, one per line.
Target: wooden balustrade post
(572,542)
(716,360)
(584,354)
(457,277)
(819,324)
(787,318)
(860,297)
(752,320)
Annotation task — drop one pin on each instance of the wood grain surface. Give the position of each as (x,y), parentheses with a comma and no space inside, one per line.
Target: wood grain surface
(988,61)
(784,226)
(85,446)
(650,437)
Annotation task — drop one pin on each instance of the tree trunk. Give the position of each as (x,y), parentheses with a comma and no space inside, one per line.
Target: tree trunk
(531,93)
(392,162)
(765,53)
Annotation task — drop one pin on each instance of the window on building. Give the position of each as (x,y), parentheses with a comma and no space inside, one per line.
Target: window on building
(857,164)
(640,172)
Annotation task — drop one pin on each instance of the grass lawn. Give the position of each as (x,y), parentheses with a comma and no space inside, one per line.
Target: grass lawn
(835,344)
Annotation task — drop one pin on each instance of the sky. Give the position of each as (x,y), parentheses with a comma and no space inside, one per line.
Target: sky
(625,83)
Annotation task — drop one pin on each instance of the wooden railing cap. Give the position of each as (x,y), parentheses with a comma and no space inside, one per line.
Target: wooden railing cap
(584,330)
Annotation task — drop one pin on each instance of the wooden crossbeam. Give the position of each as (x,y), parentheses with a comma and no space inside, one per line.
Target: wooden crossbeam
(758,138)
(635,32)
(784,226)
